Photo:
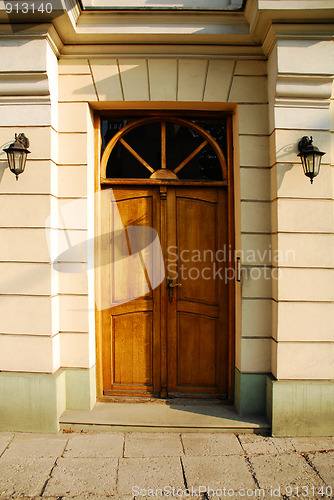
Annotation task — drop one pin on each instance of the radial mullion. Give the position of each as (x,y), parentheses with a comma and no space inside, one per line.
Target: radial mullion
(191,156)
(136,155)
(163,144)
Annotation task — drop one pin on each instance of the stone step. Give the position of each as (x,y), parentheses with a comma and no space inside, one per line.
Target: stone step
(163,416)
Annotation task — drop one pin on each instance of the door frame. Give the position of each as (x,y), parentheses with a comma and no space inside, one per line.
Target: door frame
(212,110)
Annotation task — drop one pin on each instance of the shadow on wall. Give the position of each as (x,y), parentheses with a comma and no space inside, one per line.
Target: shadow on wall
(281,153)
(3,166)
(3,158)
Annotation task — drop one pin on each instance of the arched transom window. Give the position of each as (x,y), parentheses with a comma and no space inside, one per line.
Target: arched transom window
(164,148)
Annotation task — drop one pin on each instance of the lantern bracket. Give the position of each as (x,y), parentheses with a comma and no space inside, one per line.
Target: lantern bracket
(23,140)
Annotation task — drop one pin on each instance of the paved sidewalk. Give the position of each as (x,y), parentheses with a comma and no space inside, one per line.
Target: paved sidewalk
(139,465)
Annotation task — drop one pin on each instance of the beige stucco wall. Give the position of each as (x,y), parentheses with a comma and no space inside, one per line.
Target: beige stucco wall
(29,325)
(302,214)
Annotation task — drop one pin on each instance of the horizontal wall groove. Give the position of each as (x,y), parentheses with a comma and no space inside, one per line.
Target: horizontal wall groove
(244,134)
(308,268)
(70,294)
(255,200)
(71,133)
(43,228)
(301,198)
(257,232)
(71,164)
(259,297)
(71,332)
(5,127)
(51,195)
(296,233)
(255,167)
(34,335)
(32,263)
(257,337)
(45,295)
(304,341)
(300,301)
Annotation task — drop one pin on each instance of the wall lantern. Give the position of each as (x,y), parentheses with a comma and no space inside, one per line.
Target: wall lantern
(310,156)
(17,154)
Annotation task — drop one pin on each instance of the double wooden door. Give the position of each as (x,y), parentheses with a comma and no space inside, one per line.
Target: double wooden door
(165,315)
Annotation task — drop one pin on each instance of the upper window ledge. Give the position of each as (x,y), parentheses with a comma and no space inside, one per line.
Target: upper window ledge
(206,5)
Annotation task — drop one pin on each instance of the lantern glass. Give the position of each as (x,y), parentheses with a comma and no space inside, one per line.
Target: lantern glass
(17,160)
(17,154)
(310,157)
(311,164)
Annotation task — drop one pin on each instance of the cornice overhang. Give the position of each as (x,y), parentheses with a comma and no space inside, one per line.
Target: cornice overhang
(270,19)
(254,29)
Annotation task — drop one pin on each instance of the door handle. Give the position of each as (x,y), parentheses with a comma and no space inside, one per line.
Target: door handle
(171,287)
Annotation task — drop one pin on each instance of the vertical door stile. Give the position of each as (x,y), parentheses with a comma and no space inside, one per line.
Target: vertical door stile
(163,302)
(171,306)
(157,318)
(230,238)
(223,305)
(104,257)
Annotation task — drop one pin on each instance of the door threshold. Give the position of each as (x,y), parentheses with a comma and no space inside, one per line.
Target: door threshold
(164,401)
(152,417)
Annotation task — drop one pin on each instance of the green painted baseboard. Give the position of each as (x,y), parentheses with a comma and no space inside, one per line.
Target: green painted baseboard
(80,388)
(34,402)
(300,407)
(31,402)
(250,393)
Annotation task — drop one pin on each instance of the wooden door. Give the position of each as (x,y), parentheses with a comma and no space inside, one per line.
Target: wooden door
(171,340)
(131,308)
(197,326)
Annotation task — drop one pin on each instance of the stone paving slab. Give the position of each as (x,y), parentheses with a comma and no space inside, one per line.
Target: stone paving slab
(95,445)
(141,444)
(36,446)
(285,470)
(5,439)
(324,464)
(313,443)
(231,472)
(283,445)
(255,444)
(148,473)
(81,476)
(24,476)
(211,444)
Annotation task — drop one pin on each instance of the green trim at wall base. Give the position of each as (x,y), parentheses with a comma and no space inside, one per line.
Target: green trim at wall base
(80,388)
(250,393)
(31,402)
(34,402)
(300,407)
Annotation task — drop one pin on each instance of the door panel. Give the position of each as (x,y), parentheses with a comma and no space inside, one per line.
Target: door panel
(197,341)
(132,348)
(133,211)
(196,247)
